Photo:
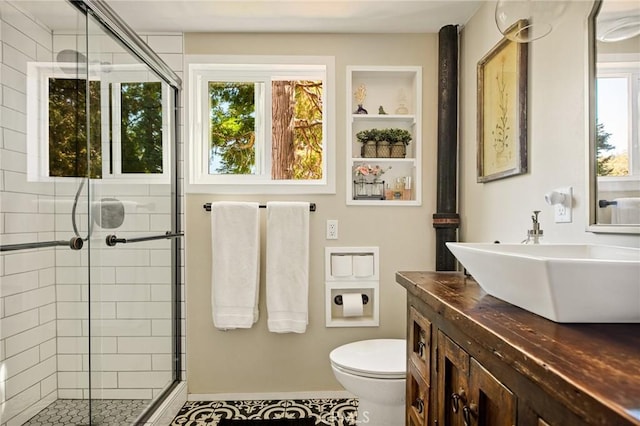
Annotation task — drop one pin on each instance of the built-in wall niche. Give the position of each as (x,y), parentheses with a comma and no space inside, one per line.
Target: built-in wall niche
(352,278)
(384,103)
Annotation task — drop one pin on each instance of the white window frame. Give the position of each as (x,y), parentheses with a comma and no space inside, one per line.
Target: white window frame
(115,75)
(38,75)
(625,66)
(204,68)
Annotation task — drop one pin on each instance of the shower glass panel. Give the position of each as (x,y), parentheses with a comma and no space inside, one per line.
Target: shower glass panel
(130,282)
(88,221)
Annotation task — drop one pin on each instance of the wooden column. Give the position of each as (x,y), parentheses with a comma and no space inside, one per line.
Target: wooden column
(446,220)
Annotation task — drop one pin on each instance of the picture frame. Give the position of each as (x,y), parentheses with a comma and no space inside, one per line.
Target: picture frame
(502,111)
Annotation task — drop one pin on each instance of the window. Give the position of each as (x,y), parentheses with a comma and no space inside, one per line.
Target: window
(617,115)
(261,127)
(128,118)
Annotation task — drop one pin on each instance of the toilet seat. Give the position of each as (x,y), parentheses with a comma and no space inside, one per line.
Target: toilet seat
(377,358)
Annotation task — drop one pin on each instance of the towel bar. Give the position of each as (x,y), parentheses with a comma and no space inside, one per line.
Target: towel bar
(312,207)
(604,203)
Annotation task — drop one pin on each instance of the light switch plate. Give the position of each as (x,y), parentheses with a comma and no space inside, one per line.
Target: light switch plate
(332,229)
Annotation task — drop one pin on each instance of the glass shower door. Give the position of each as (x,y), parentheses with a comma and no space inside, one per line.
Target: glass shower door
(131,200)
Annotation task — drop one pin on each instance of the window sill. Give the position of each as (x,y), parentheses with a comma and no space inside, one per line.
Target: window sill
(262,189)
(618,183)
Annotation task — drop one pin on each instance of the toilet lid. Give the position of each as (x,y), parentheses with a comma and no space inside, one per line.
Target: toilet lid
(384,358)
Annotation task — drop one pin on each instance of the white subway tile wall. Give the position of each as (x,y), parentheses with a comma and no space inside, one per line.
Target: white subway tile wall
(28,356)
(44,297)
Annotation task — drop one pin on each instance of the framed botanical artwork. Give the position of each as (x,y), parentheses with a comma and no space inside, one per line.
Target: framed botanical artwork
(502,111)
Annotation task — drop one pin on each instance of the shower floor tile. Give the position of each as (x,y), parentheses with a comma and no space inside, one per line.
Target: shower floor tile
(329,412)
(106,412)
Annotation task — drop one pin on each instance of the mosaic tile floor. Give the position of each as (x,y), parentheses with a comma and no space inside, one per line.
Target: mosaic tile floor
(329,412)
(106,412)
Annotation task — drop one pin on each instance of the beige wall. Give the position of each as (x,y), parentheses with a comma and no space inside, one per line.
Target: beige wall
(255,360)
(501,210)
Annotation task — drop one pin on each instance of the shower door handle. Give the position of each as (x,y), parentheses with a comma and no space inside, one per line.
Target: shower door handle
(112,239)
(74,243)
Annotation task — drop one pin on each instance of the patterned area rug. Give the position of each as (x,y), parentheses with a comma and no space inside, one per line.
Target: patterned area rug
(324,412)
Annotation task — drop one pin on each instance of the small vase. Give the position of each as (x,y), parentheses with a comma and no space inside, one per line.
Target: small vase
(377,187)
(361,110)
(360,187)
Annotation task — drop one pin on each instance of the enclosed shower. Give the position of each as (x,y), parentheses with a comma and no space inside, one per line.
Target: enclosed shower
(90,237)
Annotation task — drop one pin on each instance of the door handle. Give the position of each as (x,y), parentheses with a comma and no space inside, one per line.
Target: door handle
(112,239)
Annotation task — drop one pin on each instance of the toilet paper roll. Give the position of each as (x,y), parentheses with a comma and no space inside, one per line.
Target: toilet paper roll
(363,265)
(352,305)
(341,265)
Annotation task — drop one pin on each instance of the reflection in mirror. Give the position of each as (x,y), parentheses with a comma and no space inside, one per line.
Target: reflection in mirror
(615,124)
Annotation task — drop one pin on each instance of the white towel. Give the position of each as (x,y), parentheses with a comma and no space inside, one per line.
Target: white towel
(287,266)
(235,271)
(626,211)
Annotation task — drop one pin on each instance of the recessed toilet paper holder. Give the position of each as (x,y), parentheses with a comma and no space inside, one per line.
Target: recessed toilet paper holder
(338,299)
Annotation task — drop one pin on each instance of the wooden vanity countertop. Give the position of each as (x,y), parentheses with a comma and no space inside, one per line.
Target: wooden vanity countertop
(586,366)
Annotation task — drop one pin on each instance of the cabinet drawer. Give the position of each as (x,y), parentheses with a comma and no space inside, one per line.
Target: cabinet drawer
(420,343)
(417,398)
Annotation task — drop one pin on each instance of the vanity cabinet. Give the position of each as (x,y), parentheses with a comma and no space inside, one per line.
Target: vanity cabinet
(392,99)
(476,360)
(471,395)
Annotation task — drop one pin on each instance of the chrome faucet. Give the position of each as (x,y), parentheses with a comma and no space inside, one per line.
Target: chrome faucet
(534,235)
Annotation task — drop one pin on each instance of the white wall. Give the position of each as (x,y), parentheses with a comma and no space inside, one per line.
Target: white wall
(28,359)
(501,210)
(255,360)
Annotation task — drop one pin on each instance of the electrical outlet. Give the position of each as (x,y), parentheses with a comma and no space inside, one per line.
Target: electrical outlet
(562,211)
(332,229)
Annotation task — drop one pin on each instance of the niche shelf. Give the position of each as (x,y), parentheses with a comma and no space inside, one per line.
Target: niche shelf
(398,89)
(350,270)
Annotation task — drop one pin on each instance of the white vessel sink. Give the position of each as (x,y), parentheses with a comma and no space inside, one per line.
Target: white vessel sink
(561,282)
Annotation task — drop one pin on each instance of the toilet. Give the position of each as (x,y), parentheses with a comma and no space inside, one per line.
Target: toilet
(375,372)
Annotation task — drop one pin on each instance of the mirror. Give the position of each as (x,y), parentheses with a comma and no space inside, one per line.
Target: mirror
(614,111)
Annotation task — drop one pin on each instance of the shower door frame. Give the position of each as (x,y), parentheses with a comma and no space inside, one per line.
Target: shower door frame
(117,28)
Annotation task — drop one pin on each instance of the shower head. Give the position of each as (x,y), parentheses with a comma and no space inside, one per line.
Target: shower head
(70,55)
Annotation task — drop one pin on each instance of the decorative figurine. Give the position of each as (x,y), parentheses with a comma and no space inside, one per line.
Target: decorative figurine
(360,94)
(402,99)
(381,111)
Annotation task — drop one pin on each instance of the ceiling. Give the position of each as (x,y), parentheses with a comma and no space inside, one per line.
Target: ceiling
(318,16)
(315,16)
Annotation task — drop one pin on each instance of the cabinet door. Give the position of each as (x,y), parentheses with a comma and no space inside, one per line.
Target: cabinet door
(417,398)
(490,402)
(420,343)
(453,372)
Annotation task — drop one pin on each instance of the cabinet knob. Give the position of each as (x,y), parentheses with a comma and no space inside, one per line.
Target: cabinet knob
(463,395)
(456,397)
(455,402)
(469,411)
(421,347)
(466,416)
(473,408)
